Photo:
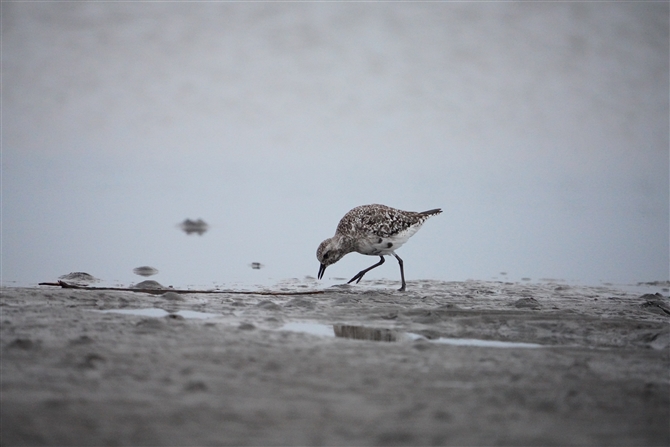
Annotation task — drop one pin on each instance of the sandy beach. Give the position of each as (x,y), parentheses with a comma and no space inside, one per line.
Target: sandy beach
(445,363)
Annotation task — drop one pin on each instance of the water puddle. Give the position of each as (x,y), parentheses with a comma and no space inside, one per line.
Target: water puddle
(485,343)
(310,328)
(366,333)
(391,335)
(159,313)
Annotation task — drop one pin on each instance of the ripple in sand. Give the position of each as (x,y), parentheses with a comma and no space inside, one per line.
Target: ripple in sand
(159,313)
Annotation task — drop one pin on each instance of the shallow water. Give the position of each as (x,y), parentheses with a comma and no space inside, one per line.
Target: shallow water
(391,335)
(310,328)
(338,330)
(265,134)
(485,343)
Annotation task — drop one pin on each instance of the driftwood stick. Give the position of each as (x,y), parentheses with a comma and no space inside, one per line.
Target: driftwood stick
(65,285)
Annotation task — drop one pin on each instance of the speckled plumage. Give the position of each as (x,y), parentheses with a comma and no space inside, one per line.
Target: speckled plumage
(375,230)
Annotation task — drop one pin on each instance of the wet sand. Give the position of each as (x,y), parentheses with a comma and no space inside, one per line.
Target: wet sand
(72,375)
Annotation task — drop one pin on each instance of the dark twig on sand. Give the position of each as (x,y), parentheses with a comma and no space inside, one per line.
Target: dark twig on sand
(65,285)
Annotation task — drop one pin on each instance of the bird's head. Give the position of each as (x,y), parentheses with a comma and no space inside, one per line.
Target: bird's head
(329,252)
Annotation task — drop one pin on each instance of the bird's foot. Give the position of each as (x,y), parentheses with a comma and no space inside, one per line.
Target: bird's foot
(356,278)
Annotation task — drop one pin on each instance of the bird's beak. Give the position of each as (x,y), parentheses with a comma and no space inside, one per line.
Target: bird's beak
(321,270)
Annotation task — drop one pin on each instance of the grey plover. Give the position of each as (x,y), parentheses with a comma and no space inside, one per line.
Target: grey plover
(374,230)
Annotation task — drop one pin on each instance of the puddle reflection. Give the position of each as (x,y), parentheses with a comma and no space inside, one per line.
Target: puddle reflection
(391,335)
(366,333)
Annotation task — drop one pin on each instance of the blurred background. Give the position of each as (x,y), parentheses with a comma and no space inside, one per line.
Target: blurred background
(541,130)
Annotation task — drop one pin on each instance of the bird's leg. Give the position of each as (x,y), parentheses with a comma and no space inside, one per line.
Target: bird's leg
(402,273)
(360,274)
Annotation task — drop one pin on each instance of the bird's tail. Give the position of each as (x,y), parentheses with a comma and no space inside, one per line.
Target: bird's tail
(431,212)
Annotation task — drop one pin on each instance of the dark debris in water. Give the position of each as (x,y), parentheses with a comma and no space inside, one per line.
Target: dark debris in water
(161,289)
